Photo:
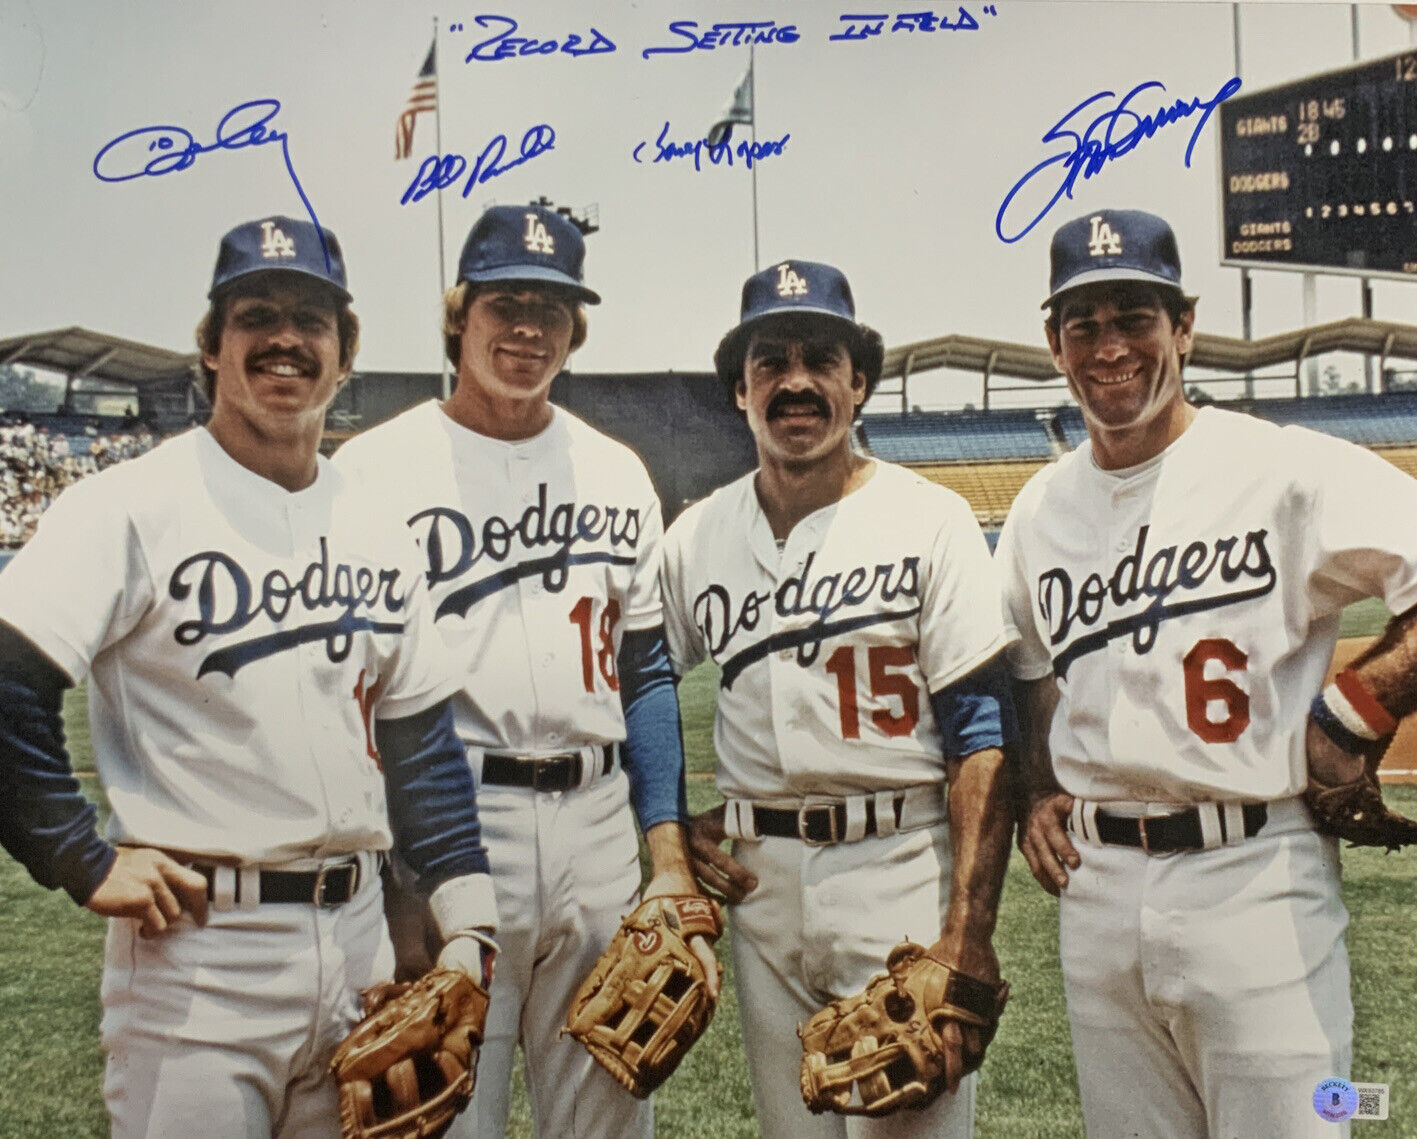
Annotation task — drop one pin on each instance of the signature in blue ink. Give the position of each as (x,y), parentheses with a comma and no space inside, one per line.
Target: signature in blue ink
(439,171)
(504,45)
(733,33)
(150,152)
(718,154)
(1110,135)
(864,26)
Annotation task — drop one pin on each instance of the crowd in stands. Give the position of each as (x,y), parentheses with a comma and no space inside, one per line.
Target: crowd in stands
(36,464)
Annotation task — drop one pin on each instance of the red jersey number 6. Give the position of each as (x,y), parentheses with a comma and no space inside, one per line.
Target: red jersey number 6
(1200,692)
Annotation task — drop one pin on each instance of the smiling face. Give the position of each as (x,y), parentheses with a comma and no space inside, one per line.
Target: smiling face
(799,391)
(278,360)
(514,342)
(1121,353)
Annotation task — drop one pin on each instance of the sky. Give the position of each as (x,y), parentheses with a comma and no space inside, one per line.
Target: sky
(898,152)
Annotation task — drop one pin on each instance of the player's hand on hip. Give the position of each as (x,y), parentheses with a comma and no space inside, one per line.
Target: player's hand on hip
(1045,843)
(152,889)
(668,882)
(716,870)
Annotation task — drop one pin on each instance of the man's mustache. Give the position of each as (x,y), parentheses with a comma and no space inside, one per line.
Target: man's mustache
(785,403)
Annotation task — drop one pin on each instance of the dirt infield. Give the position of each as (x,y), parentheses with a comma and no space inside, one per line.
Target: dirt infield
(1400,763)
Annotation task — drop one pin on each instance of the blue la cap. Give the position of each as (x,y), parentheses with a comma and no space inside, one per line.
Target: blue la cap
(279,244)
(797,287)
(526,243)
(1113,245)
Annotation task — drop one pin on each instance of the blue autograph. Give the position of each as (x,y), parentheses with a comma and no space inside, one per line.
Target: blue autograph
(861,27)
(1110,135)
(439,171)
(150,152)
(735,33)
(719,154)
(504,45)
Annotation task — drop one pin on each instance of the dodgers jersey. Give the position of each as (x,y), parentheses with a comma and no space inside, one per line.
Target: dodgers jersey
(1189,606)
(239,639)
(830,647)
(539,554)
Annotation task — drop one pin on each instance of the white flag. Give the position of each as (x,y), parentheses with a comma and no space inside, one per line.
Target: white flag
(738,109)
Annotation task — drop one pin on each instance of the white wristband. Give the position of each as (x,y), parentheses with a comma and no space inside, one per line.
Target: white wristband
(464,903)
(1347,715)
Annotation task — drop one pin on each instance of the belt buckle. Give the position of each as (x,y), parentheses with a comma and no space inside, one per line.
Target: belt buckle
(803,818)
(547,772)
(1141,829)
(323,881)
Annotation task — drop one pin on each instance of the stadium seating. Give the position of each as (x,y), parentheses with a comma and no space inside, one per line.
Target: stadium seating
(957,436)
(1070,424)
(989,488)
(1403,458)
(1369,420)
(988,456)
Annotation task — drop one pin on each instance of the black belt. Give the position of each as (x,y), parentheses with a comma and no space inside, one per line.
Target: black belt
(331,885)
(816,824)
(541,773)
(1167,834)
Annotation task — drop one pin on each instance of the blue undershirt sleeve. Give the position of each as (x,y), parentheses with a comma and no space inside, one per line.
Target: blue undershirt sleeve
(432,797)
(653,751)
(46,823)
(976,711)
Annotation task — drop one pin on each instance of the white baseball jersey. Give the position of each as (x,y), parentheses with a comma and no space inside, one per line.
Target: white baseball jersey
(830,646)
(239,639)
(539,554)
(1189,606)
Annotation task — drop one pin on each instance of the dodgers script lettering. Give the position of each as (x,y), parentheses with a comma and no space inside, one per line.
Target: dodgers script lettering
(720,619)
(453,545)
(1156,578)
(228,601)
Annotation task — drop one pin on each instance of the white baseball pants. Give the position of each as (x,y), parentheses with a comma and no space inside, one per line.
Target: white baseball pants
(818,927)
(226,1031)
(1208,991)
(565,867)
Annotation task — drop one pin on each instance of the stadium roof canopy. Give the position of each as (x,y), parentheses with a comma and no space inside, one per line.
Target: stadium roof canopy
(1384,339)
(81,354)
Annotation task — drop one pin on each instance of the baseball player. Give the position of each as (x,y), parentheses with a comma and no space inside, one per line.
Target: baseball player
(846,602)
(541,542)
(268,705)
(1176,583)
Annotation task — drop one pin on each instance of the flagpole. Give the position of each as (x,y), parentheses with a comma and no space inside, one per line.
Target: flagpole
(447,386)
(753,127)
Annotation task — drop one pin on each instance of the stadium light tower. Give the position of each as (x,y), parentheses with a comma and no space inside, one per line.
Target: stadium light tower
(587,221)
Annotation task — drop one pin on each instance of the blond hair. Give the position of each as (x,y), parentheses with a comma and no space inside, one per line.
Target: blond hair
(458,299)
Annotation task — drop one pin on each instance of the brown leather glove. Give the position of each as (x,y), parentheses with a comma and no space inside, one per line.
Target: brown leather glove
(1355,811)
(883,1049)
(409,1066)
(647,1000)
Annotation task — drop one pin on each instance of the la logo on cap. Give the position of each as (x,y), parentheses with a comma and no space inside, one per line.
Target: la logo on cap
(1104,242)
(537,240)
(789,284)
(276,243)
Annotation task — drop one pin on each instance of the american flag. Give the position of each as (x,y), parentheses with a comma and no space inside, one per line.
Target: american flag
(423,97)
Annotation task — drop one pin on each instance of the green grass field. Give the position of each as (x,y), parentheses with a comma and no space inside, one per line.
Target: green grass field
(51,1067)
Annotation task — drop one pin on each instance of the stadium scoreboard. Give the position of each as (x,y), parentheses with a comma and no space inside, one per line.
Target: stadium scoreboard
(1320,175)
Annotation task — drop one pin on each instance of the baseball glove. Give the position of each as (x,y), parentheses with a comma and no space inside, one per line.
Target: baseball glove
(882,1049)
(408,1067)
(647,1000)
(1356,813)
